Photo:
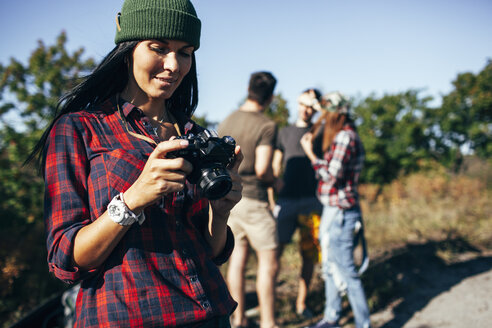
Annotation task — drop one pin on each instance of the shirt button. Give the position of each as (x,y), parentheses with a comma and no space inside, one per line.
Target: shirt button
(206,304)
(184,252)
(193,278)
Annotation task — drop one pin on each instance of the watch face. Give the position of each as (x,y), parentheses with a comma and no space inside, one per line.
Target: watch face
(119,213)
(115,211)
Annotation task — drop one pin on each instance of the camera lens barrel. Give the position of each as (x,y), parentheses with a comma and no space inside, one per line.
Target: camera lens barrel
(215,182)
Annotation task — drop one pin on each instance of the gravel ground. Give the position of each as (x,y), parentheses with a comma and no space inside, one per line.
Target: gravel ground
(432,285)
(467,304)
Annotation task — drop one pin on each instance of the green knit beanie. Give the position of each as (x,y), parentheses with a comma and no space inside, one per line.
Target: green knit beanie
(158,19)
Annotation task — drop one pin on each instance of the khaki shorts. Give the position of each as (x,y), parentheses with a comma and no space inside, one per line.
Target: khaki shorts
(252,221)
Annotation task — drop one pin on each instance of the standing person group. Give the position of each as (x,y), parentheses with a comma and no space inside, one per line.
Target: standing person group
(251,220)
(315,170)
(120,214)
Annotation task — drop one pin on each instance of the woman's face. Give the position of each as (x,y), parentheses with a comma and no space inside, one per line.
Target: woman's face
(158,68)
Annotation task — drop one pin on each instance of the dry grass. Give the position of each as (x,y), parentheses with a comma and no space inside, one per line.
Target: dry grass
(428,207)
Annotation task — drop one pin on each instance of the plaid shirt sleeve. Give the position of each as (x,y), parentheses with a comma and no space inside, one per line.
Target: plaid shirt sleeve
(66,208)
(330,168)
(227,251)
(338,171)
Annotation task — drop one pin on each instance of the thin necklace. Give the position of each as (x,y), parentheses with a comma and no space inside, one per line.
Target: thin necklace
(163,117)
(172,120)
(161,121)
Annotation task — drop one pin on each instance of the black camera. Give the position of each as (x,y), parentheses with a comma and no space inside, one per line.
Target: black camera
(210,156)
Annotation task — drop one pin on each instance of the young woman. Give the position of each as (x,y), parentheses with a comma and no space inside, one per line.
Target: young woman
(338,173)
(120,215)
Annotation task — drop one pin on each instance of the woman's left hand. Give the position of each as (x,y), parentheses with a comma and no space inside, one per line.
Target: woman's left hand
(223,206)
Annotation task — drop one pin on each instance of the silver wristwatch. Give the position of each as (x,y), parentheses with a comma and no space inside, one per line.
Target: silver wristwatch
(121,214)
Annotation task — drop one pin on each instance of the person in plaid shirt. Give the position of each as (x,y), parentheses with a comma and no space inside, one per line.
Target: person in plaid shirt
(338,173)
(120,216)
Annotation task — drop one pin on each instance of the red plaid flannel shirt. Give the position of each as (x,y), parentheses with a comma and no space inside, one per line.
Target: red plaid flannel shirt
(338,172)
(161,273)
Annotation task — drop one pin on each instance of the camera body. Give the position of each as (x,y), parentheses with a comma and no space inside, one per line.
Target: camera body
(210,156)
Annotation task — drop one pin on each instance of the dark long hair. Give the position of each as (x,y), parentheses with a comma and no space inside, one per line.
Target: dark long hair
(109,78)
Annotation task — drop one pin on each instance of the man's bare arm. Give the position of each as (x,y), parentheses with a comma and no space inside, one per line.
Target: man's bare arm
(263,163)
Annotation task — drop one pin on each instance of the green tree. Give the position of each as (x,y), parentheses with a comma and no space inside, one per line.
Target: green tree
(466,114)
(278,111)
(396,132)
(202,121)
(28,97)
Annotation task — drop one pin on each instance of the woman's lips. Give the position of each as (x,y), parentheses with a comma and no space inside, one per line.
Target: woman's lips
(166,79)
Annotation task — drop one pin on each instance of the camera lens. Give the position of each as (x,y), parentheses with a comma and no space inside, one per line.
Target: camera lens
(215,183)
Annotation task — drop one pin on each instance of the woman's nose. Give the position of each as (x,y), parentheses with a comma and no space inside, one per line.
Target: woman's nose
(171,62)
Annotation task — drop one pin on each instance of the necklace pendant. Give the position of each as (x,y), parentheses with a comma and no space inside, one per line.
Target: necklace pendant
(155,129)
(156,133)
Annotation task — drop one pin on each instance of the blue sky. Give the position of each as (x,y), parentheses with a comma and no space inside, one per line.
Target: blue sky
(357,47)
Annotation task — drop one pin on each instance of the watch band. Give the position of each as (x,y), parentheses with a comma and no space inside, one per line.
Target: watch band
(121,214)
(140,218)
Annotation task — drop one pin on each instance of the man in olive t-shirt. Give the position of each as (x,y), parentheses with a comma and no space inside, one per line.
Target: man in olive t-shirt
(251,129)
(251,220)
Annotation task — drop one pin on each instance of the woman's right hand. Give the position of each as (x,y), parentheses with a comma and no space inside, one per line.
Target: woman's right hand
(159,177)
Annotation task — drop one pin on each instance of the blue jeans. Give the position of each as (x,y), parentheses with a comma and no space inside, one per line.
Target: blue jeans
(336,235)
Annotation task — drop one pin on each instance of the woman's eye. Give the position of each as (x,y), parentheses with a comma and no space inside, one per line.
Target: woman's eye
(185,54)
(158,50)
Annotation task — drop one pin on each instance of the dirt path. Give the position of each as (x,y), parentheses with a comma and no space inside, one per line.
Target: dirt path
(427,285)
(465,303)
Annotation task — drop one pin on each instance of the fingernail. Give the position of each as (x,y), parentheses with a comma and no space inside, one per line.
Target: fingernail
(184,142)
